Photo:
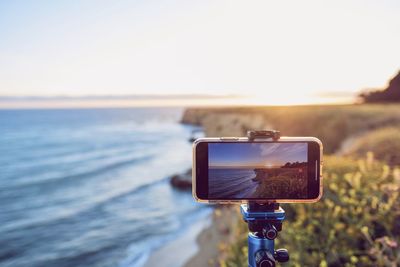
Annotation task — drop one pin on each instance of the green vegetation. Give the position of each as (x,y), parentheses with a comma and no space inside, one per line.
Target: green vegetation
(356,223)
(384,142)
(281,182)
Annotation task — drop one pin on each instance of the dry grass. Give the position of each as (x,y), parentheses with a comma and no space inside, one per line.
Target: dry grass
(384,143)
(332,124)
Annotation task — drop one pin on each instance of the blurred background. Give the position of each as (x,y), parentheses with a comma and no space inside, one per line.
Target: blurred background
(100,101)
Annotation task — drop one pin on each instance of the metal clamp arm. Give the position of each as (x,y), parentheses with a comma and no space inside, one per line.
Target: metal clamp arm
(275,135)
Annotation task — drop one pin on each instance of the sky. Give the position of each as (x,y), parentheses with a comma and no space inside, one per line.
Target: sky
(282,52)
(256,154)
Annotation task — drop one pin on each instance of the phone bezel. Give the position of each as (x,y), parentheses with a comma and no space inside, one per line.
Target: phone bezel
(200,168)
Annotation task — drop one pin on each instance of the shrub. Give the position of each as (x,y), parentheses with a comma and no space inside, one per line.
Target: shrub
(384,143)
(356,223)
(390,94)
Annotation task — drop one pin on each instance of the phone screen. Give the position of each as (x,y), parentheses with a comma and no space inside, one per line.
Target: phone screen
(258,170)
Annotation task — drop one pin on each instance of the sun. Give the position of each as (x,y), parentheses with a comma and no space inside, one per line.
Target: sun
(284,98)
(268,165)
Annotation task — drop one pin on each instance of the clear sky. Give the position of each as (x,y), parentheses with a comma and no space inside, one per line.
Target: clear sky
(269,49)
(256,154)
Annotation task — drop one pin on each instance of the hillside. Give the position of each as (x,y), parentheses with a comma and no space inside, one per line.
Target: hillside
(390,94)
(334,125)
(357,221)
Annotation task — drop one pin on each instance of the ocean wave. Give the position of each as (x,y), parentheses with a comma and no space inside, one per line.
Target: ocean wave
(152,230)
(40,222)
(45,183)
(73,195)
(69,154)
(138,257)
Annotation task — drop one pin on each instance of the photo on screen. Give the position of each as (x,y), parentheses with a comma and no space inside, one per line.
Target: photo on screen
(257,170)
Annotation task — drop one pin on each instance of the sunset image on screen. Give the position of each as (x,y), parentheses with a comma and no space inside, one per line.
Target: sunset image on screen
(257,170)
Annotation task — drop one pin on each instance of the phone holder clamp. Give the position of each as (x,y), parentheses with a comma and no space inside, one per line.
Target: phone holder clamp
(273,134)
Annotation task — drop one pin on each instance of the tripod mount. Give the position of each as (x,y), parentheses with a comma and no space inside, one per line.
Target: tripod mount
(264,221)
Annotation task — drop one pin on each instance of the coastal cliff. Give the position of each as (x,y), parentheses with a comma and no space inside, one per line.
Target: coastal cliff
(225,121)
(343,129)
(334,125)
(367,173)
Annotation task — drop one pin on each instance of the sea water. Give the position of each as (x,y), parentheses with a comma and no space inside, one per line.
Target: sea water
(89,187)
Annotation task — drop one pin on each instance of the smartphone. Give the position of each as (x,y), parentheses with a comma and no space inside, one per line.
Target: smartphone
(232,169)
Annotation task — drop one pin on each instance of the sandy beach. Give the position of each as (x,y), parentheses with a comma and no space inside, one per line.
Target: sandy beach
(202,245)
(177,252)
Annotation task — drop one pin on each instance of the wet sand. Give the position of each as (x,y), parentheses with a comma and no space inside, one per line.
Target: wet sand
(213,240)
(202,245)
(177,252)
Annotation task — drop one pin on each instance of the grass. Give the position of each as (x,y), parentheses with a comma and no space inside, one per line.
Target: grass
(332,124)
(356,223)
(281,183)
(384,142)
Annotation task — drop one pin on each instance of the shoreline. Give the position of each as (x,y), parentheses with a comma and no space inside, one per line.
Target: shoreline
(201,245)
(178,251)
(214,240)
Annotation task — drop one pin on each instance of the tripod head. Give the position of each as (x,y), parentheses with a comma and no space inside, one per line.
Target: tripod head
(264,222)
(261,225)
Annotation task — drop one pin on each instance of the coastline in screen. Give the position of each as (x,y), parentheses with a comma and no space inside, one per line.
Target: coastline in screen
(257,170)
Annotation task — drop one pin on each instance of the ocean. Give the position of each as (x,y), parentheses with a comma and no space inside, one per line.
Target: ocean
(232,183)
(89,187)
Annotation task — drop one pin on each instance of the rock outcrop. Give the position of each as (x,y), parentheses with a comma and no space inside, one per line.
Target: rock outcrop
(390,94)
(182,181)
(225,121)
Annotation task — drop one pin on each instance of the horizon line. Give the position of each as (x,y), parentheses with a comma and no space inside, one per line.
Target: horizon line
(117,97)
(160,100)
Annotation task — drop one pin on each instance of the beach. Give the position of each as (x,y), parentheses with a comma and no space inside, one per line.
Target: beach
(202,245)
(177,252)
